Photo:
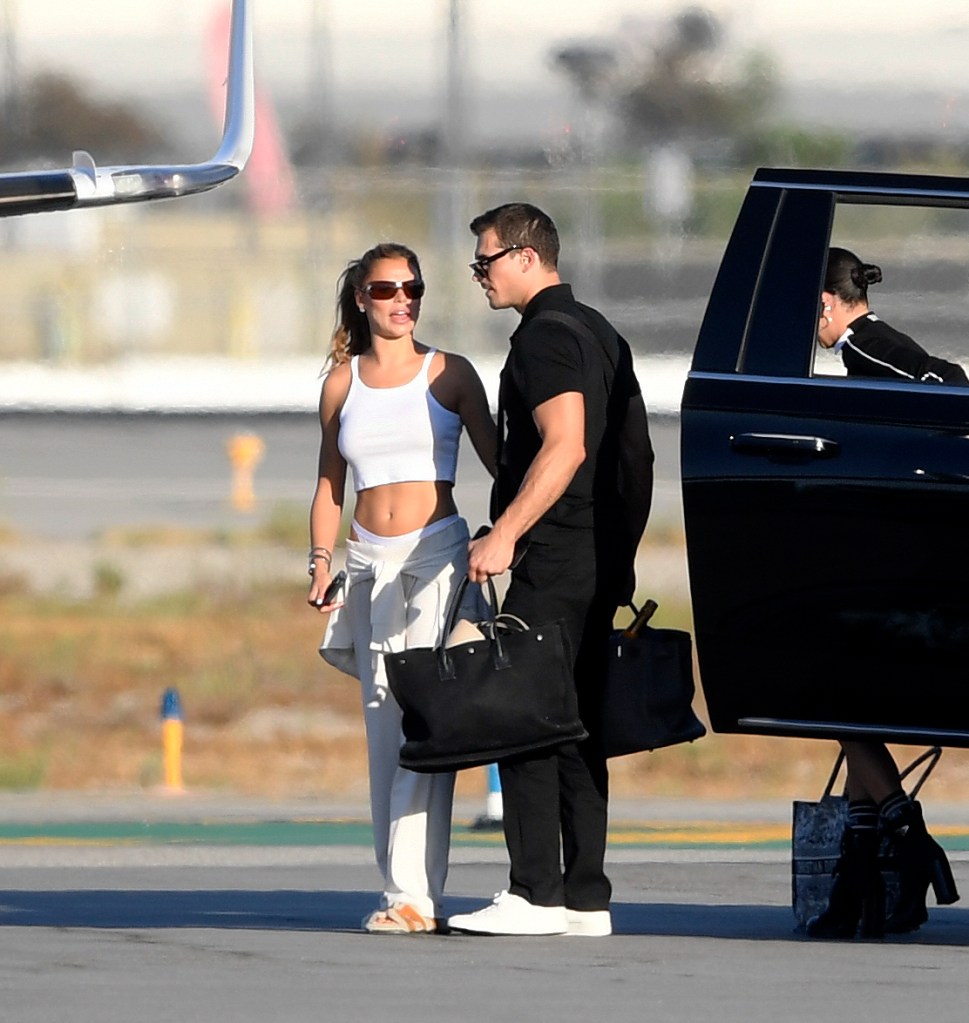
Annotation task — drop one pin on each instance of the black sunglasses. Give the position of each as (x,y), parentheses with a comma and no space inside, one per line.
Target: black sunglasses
(480,266)
(384,290)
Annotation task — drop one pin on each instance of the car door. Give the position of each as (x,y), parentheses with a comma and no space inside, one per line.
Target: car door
(827,518)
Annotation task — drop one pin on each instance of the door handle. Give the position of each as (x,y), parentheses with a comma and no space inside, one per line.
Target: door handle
(942,477)
(784,445)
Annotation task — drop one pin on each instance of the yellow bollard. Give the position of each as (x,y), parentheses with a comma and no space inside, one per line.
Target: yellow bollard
(172,740)
(245,452)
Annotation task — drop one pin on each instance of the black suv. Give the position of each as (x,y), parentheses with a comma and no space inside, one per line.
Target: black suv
(827,517)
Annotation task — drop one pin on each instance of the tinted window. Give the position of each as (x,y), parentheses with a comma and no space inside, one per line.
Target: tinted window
(924,257)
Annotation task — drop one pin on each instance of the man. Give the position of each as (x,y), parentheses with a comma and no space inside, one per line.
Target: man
(573,492)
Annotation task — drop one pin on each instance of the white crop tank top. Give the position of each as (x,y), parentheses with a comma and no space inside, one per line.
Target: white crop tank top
(397,434)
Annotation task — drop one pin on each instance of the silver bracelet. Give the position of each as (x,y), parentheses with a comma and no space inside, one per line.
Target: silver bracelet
(311,569)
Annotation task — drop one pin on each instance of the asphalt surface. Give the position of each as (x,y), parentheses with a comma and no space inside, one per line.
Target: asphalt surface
(78,491)
(109,913)
(72,477)
(162,907)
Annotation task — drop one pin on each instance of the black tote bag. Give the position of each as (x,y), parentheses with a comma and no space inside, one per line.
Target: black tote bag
(508,693)
(816,844)
(647,700)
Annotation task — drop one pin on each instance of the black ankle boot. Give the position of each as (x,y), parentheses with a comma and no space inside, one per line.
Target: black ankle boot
(921,861)
(857,895)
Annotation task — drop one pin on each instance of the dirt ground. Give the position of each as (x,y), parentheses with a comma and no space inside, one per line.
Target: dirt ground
(83,676)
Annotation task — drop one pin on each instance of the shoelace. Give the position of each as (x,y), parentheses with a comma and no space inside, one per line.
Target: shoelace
(498,898)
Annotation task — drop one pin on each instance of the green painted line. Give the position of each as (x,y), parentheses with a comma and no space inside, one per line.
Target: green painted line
(259,833)
(308,832)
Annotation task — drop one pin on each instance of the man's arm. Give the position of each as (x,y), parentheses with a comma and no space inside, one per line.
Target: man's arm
(561,425)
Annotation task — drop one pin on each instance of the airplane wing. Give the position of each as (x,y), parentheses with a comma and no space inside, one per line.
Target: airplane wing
(86,184)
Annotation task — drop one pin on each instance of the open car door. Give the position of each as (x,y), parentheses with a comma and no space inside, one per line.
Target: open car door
(827,517)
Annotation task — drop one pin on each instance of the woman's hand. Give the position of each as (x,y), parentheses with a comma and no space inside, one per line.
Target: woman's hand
(317,593)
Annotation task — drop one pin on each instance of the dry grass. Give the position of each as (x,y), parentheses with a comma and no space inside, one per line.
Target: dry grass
(81,686)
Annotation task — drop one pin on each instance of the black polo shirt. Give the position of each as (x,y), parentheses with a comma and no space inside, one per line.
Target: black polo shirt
(550,358)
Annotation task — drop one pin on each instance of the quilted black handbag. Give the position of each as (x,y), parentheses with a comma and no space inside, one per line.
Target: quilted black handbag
(647,700)
(509,692)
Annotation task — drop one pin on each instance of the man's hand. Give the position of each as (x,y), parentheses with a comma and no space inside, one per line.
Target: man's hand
(491,555)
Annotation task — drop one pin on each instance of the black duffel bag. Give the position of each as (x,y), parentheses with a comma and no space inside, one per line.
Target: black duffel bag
(647,699)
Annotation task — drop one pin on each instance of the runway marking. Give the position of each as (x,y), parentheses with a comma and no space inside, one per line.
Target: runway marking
(50,841)
(357,833)
(678,833)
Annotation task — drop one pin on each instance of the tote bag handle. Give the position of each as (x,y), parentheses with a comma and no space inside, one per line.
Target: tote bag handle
(931,755)
(445,662)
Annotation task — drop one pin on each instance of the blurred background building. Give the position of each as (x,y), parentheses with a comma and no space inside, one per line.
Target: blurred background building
(637,126)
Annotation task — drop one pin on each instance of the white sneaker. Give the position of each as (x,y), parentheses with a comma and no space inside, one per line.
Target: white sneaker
(589,923)
(511,914)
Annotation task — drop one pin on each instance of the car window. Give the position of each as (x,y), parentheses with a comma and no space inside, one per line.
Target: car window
(923,253)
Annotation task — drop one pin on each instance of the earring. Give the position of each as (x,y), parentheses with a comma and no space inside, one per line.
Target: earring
(827,309)
(360,308)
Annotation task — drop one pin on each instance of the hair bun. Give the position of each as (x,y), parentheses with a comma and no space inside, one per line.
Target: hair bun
(866,274)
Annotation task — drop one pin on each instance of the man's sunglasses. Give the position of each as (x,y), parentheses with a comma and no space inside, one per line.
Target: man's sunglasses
(384,290)
(480,266)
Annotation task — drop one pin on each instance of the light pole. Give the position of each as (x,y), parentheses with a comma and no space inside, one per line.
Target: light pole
(451,207)
(11,73)
(320,78)
(454,114)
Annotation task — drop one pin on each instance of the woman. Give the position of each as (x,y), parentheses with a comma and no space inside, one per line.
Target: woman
(867,345)
(877,804)
(393,409)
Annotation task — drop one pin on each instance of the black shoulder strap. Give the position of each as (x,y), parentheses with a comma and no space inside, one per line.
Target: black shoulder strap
(580,328)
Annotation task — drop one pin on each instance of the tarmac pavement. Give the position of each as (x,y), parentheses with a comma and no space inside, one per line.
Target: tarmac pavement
(155,906)
(109,912)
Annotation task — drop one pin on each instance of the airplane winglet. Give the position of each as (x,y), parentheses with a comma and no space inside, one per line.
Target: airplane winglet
(84,184)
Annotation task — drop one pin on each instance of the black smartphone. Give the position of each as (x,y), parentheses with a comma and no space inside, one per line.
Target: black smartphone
(333,589)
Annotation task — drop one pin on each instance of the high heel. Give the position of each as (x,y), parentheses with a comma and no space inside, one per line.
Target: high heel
(943,883)
(873,903)
(857,895)
(921,862)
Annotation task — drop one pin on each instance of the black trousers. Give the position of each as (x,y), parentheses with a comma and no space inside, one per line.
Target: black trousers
(555,802)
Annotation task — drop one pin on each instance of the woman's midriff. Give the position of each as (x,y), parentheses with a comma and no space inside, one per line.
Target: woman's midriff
(398,508)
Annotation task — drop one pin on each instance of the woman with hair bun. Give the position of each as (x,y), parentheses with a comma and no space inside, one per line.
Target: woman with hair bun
(878,806)
(393,409)
(868,346)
